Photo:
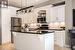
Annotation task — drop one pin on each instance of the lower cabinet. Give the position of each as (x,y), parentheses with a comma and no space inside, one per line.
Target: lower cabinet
(27,41)
(59,38)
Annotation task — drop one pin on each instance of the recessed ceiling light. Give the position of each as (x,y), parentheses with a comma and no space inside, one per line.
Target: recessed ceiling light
(36,0)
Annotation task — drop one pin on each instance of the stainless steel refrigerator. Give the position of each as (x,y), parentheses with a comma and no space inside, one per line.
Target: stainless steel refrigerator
(15,26)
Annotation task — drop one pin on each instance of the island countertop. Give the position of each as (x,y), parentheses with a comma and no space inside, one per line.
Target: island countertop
(35,32)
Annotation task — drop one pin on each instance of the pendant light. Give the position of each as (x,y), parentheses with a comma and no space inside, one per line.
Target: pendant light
(19,11)
(27,9)
(21,7)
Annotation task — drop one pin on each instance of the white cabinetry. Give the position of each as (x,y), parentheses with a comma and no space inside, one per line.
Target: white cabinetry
(27,41)
(58,14)
(59,38)
(61,13)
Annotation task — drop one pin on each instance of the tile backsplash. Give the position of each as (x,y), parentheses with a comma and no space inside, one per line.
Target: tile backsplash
(56,25)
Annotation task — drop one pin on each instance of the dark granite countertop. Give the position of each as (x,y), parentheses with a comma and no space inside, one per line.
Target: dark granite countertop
(57,29)
(35,32)
(40,31)
(52,29)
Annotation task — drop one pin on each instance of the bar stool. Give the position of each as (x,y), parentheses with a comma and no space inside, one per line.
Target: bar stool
(72,38)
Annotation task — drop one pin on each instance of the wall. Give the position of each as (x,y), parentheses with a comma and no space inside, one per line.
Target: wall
(70,4)
(28,17)
(7,13)
(68,18)
(0,28)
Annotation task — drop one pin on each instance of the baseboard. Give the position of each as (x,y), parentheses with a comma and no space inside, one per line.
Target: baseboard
(6,43)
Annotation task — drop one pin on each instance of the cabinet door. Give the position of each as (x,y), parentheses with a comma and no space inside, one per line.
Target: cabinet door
(49,41)
(29,42)
(58,14)
(60,38)
(54,14)
(61,13)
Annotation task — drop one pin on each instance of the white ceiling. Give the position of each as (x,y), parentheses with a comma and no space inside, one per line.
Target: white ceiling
(24,3)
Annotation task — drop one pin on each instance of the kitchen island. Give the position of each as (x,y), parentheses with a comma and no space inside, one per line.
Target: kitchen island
(34,40)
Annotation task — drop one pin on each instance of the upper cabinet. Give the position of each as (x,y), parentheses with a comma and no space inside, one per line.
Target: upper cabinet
(54,12)
(58,14)
(61,13)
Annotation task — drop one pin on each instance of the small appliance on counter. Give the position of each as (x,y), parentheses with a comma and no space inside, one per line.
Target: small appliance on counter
(63,28)
(25,28)
(44,26)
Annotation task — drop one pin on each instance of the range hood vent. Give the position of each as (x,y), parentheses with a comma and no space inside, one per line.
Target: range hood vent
(58,4)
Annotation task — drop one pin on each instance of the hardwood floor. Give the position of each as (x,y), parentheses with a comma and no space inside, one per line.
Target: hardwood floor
(11,47)
(60,48)
(7,47)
